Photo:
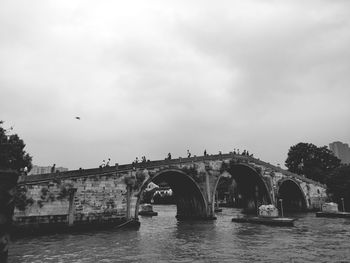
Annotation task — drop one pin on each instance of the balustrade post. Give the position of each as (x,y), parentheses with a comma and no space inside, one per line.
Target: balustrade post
(281,207)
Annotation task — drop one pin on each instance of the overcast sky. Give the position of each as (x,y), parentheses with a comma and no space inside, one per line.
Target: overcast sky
(152,77)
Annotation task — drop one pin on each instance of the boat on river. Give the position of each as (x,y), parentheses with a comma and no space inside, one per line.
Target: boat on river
(267,215)
(331,210)
(147,210)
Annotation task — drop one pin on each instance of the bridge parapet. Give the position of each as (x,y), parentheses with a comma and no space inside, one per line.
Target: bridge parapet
(161,163)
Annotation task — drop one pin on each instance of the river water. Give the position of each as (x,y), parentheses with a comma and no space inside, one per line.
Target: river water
(164,239)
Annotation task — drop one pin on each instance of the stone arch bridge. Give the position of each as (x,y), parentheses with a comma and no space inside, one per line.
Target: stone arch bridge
(118,189)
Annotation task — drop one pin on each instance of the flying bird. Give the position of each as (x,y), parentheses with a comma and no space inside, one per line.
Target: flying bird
(78,118)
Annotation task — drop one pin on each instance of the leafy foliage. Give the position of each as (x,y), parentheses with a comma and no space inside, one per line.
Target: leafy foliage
(64,191)
(192,171)
(338,183)
(314,162)
(46,196)
(140,177)
(130,181)
(21,200)
(12,154)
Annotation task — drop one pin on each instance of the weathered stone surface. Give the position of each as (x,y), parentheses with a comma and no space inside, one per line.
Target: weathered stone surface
(95,198)
(194,181)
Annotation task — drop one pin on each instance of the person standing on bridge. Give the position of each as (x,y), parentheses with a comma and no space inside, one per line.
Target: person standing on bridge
(205,152)
(169,156)
(188,154)
(53,168)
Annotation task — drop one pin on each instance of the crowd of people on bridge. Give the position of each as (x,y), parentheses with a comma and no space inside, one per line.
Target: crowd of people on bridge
(143,160)
(169,157)
(105,164)
(244,153)
(205,153)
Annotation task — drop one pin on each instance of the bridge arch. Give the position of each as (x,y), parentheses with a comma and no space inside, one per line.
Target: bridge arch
(190,201)
(251,188)
(292,195)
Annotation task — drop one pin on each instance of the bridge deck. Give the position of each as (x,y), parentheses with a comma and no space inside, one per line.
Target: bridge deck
(33,179)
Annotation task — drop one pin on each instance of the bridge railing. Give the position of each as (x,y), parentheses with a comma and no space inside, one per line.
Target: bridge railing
(112,169)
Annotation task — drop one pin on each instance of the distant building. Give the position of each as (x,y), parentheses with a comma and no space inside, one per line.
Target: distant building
(45,169)
(341,150)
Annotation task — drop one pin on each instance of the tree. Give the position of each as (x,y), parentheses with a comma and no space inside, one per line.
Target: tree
(338,183)
(314,162)
(12,153)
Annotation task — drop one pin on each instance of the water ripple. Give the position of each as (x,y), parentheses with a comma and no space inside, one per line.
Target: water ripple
(164,239)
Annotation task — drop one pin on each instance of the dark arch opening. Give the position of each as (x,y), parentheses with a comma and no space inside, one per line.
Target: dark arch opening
(226,191)
(293,199)
(190,202)
(244,189)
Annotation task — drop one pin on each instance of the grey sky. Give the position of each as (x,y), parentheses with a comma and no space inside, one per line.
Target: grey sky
(152,77)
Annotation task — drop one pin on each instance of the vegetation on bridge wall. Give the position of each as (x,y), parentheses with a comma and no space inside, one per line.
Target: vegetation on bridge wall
(21,200)
(195,172)
(101,194)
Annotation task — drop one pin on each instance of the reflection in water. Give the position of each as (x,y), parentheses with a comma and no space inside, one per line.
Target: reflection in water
(164,239)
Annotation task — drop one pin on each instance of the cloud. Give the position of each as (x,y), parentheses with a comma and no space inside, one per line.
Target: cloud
(149,78)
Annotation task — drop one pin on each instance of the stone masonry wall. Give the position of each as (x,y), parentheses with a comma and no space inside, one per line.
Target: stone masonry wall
(93,195)
(315,195)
